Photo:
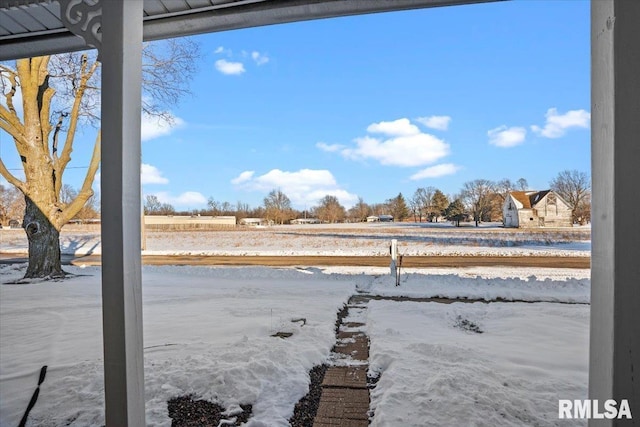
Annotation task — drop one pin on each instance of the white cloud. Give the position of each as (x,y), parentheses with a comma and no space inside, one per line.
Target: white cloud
(229,68)
(304,187)
(400,127)
(557,124)
(259,58)
(188,199)
(503,136)
(154,127)
(302,179)
(243,177)
(405,145)
(151,175)
(330,148)
(219,49)
(436,171)
(435,122)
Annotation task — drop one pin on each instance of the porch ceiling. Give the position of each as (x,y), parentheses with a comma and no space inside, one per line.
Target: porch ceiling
(34,27)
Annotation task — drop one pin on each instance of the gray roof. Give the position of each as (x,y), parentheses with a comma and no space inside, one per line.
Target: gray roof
(35,27)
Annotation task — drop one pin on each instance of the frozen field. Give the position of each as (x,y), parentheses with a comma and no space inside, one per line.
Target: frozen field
(336,239)
(207,331)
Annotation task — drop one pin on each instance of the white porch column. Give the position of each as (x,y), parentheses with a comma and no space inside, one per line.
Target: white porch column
(615,267)
(120,183)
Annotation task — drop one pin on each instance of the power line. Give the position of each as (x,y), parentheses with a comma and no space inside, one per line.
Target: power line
(68,167)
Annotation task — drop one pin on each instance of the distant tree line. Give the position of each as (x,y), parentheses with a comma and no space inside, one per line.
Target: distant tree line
(479,200)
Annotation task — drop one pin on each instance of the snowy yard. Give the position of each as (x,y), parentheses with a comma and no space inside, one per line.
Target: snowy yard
(207,333)
(510,371)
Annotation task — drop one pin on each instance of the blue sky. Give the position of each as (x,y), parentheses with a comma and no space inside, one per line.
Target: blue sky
(370,106)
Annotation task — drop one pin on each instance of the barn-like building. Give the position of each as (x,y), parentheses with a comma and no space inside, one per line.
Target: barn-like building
(526,209)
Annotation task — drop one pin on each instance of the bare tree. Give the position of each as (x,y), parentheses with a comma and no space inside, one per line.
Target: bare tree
(575,188)
(582,214)
(504,187)
(428,207)
(418,203)
(59,94)
(68,193)
(380,209)
(330,209)
(227,208)
(214,206)
(523,185)
(242,209)
(415,207)
(277,206)
(477,195)
(152,205)
(11,205)
(360,211)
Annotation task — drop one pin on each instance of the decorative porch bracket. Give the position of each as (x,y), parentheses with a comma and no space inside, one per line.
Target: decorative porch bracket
(84,19)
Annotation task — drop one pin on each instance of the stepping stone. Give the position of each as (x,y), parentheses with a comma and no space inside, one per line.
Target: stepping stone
(348,334)
(343,407)
(345,376)
(353,324)
(358,350)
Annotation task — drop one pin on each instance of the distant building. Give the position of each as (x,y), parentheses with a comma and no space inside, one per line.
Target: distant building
(186,222)
(526,209)
(380,218)
(305,221)
(253,222)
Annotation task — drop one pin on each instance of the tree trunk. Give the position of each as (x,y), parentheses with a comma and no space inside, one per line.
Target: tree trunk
(44,244)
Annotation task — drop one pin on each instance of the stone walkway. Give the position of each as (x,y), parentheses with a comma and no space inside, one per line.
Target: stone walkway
(345,389)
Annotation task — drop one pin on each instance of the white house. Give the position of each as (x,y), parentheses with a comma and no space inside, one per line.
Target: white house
(305,221)
(524,209)
(380,218)
(254,222)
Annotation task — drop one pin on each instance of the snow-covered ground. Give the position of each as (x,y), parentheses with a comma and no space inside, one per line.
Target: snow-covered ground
(207,333)
(436,372)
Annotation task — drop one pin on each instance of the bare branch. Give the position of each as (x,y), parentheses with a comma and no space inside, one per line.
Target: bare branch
(11,178)
(12,91)
(44,102)
(85,191)
(11,124)
(54,145)
(166,67)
